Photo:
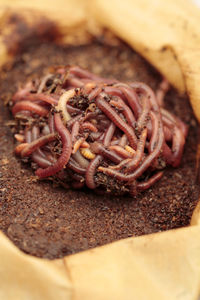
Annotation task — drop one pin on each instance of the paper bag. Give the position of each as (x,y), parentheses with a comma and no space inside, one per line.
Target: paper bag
(158,266)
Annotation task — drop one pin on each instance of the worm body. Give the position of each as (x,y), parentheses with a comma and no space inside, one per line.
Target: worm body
(90,131)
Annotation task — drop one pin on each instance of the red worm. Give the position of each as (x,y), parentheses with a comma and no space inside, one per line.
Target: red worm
(22,92)
(74,82)
(113,91)
(142,168)
(167,154)
(109,134)
(147,184)
(41,161)
(161,92)
(178,142)
(66,150)
(41,97)
(72,164)
(73,120)
(121,151)
(90,182)
(38,155)
(51,123)
(73,110)
(136,122)
(127,112)
(35,133)
(167,133)
(131,164)
(183,127)
(142,87)
(94,93)
(95,135)
(132,100)
(89,177)
(37,144)
(98,148)
(121,165)
(155,129)
(27,105)
(75,131)
(111,114)
(141,122)
(77,177)
(79,72)
(139,153)
(28,136)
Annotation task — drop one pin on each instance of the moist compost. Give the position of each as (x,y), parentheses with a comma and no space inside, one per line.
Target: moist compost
(46,220)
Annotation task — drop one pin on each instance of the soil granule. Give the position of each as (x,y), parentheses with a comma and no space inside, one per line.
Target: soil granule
(50,222)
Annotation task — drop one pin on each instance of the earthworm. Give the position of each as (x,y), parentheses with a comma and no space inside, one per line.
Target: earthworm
(32,107)
(142,87)
(51,123)
(121,151)
(72,164)
(155,129)
(43,83)
(139,152)
(66,150)
(99,148)
(125,110)
(41,161)
(73,120)
(113,91)
(37,144)
(146,184)
(132,100)
(161,92)
(109,134)
(94,93)
(141,169)
(178,142)
(41,97)
(119,129)
(111,113)
(89,178)
(141,122)
(75,131)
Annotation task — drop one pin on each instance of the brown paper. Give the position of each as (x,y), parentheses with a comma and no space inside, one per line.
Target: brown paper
(158,266)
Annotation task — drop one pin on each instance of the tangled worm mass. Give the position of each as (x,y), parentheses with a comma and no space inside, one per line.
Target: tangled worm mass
(84,130)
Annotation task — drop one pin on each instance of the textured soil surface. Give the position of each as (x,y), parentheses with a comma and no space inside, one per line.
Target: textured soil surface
(51,222)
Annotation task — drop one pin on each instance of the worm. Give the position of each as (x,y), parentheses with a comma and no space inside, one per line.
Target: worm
(32,107)
(66,150)
(111,113)
(82,125)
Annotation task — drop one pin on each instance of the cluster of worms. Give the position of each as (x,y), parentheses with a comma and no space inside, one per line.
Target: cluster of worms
(84,130)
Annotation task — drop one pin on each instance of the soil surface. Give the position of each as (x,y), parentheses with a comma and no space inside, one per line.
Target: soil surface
(51,222)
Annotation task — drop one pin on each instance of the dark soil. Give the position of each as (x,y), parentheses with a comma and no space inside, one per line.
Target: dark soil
(51,222)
